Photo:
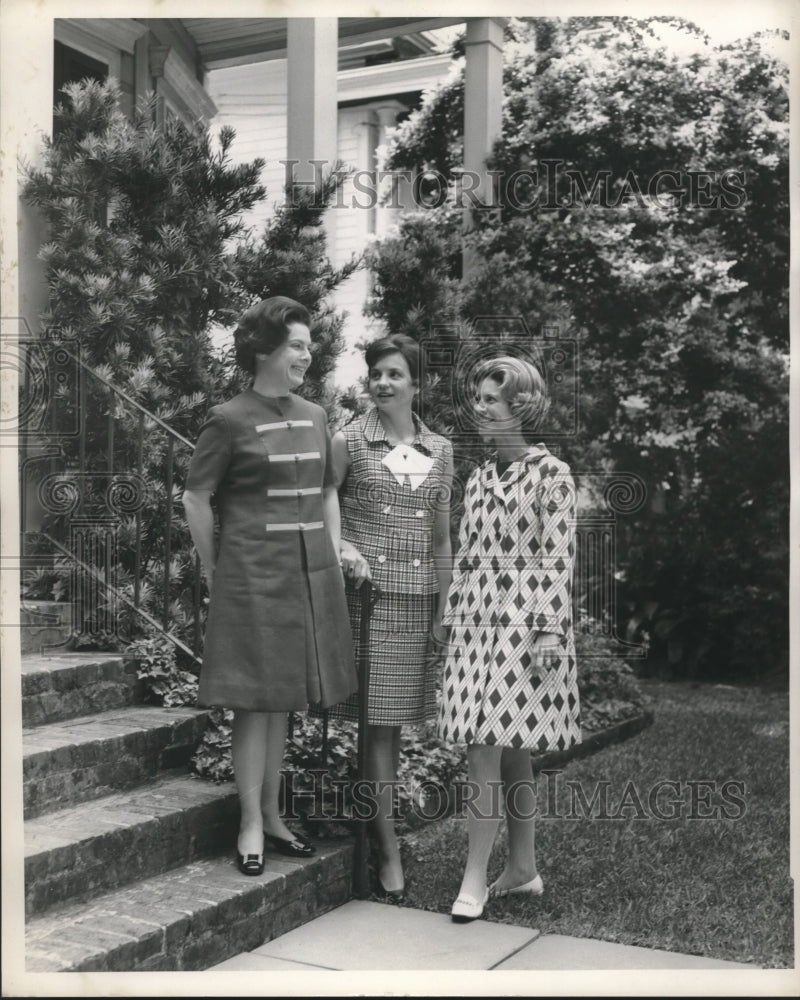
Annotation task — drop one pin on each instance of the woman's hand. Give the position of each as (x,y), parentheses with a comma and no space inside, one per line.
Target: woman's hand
(545,652)
(439,633)
(354,566)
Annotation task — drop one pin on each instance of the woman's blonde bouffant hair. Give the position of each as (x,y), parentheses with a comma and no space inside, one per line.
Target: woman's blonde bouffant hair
(521,385)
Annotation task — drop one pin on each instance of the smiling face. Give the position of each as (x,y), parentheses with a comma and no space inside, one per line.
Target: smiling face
(495,419)
(390,383)
(287,365)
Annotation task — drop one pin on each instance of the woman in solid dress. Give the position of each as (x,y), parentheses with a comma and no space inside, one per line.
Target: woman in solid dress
(510,682)
(395,480)
(277,637)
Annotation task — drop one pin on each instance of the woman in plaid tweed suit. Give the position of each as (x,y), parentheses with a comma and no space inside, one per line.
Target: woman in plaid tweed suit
(510,683)
(395,480)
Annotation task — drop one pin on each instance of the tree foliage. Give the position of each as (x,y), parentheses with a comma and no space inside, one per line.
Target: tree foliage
(141,219)
(675,285)
(291,258)
(147,257)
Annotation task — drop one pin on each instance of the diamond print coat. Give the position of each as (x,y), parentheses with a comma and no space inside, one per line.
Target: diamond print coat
(512,579)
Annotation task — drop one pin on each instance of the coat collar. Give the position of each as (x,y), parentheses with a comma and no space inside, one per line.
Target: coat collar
(491,480)
(373,431)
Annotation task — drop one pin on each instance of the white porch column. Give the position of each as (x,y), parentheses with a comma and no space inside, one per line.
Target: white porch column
(26,79)
(483,102)
(367,132)
(27,64)
(312,45)
(397,191)
(156,61)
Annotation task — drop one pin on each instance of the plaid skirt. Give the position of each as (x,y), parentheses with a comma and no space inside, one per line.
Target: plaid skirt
(402,680)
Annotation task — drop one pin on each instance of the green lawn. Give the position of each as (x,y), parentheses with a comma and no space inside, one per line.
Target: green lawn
(718,887)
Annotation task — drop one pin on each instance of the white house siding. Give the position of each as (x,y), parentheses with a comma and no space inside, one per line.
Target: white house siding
(253,99)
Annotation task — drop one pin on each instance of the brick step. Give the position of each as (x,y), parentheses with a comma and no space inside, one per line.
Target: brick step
(76,853)
(192,917)
(61,686)
(82,759)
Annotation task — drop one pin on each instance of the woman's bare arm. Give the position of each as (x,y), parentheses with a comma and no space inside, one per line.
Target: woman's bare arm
(200,517)
(333,518)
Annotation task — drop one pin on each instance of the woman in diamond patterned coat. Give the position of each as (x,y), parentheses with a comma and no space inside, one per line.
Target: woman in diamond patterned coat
(510,682)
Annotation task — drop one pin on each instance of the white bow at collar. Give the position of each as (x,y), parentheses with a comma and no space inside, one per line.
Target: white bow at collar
(408,465)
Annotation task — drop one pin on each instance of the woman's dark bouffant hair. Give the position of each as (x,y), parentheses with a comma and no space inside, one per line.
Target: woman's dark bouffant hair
(264,327)
(397,343)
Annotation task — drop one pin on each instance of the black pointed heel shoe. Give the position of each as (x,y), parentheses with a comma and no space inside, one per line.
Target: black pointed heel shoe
(253,864)
(391,895)
(297,847)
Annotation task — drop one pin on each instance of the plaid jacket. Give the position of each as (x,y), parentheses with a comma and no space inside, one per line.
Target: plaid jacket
(390,524)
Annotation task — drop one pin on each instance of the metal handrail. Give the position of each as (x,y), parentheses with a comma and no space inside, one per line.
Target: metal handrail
(98,577)
(129,399)
(173,437)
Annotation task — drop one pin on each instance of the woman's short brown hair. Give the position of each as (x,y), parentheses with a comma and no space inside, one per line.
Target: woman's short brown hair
(397,343)
(264,327)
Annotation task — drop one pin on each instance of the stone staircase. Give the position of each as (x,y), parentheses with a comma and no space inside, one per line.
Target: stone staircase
(129,861)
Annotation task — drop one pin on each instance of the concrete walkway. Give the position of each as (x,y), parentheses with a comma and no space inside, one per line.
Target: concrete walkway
(361,936)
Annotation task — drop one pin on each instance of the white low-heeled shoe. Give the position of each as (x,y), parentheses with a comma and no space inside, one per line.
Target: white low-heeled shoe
(534,888)
(468,908)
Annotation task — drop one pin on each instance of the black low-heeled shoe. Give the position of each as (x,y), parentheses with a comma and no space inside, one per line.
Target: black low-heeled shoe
(297,847)
(253,864)
(391,895)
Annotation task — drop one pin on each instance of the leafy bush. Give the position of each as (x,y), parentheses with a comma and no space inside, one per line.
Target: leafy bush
(165,682)
(609,691)
(51,584)
(212,758)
